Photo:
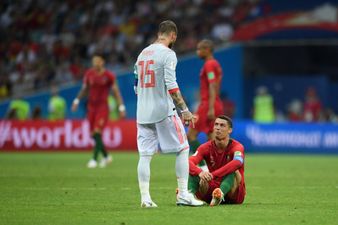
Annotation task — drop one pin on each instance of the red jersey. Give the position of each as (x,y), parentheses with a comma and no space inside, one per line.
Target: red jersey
(220,162)
(228,107)
(312,110)
(99,86)
(211,72)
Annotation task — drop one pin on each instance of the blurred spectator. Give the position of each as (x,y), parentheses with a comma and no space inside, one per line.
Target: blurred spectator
(295,111)
(44,42)
(56,106)
(113,108)
(312,106)
(11,114)
(37,113)
(330,116)
(280,116)
(263,106)
(259,9)
(19,109)
(5,87)
(76,69)
(228,105)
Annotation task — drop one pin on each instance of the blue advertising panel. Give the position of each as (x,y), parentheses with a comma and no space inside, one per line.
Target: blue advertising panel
(287,137)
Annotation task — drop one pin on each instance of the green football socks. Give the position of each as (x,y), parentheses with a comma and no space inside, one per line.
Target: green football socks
(193,184)
(194,145)
(99,146)
(227,183)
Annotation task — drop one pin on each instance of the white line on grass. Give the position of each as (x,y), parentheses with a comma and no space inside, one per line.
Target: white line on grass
(65,188)
(297,187)
(153,188)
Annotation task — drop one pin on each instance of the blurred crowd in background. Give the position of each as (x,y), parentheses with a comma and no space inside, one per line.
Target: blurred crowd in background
(309,109)
(44,44)
(51,42)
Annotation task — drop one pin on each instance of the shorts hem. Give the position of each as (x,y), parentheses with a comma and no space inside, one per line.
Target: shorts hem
(174,150)
(147,153)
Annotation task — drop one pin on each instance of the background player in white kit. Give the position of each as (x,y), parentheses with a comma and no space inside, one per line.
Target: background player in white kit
(158,125)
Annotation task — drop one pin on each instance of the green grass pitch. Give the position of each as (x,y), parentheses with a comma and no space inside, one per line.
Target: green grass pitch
(57,188)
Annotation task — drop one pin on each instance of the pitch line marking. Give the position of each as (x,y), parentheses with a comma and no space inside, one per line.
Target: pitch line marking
(152,188)
(66,189)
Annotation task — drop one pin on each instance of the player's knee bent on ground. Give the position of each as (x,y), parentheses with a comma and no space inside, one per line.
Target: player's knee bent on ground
(229,184)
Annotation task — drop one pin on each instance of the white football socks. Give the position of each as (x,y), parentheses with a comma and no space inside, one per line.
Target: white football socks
(143,172)
(182,171)
(182,174)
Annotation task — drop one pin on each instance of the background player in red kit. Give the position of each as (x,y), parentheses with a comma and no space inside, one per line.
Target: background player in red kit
(98,81)
(224,156)
(211,104)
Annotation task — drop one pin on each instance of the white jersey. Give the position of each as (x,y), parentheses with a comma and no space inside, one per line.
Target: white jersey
(155,70)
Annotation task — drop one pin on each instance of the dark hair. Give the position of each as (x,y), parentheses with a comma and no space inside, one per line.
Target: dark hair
(36,114)
(11,115)
(208,44)
(228,119)
(166,27)
(102,56)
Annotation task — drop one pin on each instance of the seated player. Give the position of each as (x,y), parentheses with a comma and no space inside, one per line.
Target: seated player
(224,156)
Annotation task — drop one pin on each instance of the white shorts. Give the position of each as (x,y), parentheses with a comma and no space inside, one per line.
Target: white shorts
(166,136)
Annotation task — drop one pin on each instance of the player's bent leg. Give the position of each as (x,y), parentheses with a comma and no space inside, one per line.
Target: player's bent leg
(192,138)
(225,187)
(171,137)
(143,174)
(237,193)
(184,197)
(193,184)
(227,183)
(237,183)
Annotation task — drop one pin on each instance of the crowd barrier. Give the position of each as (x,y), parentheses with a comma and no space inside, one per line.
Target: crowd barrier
(74,135)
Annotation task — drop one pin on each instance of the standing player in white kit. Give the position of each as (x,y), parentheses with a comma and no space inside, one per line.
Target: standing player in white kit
(158,125)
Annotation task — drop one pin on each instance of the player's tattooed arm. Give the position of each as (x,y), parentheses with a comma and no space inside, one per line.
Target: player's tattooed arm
(179,101)
(187,116)
(83,92)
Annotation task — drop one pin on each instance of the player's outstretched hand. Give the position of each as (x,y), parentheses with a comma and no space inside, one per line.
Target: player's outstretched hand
(188,118)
